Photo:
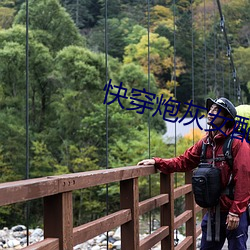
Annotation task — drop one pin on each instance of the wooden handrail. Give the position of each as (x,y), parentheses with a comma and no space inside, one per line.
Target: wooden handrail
(58,208)
(24,190)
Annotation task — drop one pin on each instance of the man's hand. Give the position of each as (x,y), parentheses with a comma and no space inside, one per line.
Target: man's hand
(232,221)
(146,162)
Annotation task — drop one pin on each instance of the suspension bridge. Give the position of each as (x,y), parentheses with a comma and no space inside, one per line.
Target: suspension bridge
(56,192)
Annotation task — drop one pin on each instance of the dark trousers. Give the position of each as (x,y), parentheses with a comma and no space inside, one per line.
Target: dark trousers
(237,238)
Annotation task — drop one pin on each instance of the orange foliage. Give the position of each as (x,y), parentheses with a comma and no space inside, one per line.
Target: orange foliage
(194,134)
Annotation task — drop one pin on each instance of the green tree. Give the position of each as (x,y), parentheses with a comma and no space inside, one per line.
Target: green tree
(84,13)
(42,163)
(13,60)
(13,148)
(161,59)
(242,64)
(6,17)
(12,108)
(53,25)
(128,152)
(117,32)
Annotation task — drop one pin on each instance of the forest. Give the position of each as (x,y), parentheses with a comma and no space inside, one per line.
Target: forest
(172,49)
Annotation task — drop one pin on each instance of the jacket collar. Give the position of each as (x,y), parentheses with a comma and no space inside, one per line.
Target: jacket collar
(219,136)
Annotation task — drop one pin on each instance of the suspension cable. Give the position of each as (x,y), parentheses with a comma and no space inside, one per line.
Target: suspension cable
(175,93)
(27,207)
(215,53)
(174,73)
(229,53)
(221,46)
(107,125)
(77,13)
(205,51)
(149,121)
(192,77)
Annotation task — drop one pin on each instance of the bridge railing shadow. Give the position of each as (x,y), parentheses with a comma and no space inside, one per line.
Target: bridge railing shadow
(56,192)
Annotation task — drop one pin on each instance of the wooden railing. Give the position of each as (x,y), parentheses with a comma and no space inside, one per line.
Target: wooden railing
(56,192)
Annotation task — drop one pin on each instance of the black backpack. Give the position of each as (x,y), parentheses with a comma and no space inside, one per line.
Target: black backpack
(206,179)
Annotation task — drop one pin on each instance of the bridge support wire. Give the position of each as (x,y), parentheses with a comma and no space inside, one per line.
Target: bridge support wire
(229,55)
(107,121)
(27,204)
(149,122)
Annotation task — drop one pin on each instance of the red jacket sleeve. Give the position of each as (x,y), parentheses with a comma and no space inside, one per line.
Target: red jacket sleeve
(185,162)
(241,175)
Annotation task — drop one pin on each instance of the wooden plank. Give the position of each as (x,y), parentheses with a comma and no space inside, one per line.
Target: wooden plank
(167,210)
(154,238)
(198,231)
(178,192)
(182,218)
(24,190)
(190,205)
(58,219)
(46,244)
(152,203)
(198,208)
(129,196)
(185,244)
(90,230)
(98,177)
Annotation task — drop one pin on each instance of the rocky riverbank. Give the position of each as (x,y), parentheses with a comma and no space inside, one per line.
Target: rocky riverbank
(16,238)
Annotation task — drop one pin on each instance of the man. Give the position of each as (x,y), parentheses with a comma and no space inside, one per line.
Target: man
(233,212)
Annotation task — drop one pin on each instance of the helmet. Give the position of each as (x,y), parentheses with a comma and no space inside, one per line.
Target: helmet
(223,103)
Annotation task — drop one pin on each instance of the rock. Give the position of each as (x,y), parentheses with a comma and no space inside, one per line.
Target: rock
(18,234)
(81,246)
(23,240)
(117,234)
(91,242)
(18,228)
(117,244)
(3,233)
(38,232)
(103,243)
(100,238)
(95,248)
(13,243)
(111,233)
(111,239)
(13,240)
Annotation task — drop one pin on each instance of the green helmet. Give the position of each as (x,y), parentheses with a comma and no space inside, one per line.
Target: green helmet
(244,111)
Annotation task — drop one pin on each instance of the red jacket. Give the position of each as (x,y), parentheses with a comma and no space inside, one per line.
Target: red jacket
(241,168)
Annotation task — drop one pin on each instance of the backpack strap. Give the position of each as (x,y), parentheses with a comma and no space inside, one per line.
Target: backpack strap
(227,151)
(217,207)
(203,152)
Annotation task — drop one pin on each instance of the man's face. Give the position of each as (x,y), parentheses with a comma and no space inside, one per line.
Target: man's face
(214,109)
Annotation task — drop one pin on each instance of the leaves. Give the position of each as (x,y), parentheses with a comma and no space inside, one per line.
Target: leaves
(49,18)
(6,17)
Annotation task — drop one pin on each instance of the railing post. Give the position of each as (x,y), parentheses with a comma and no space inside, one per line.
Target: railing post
(190,205)
(129,198)
(58,219)
(167,210)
